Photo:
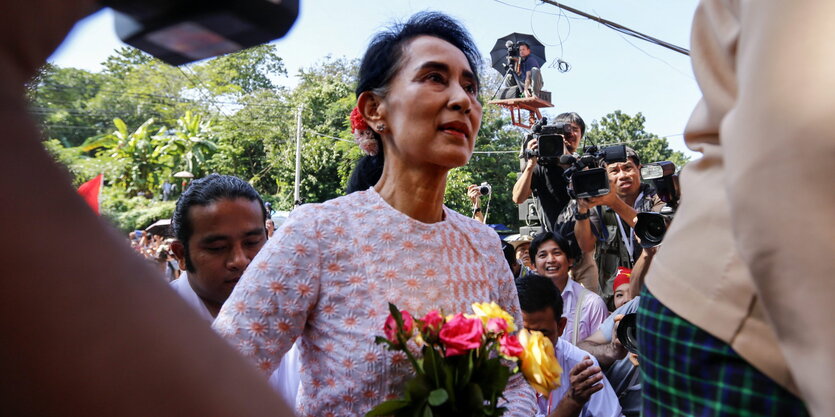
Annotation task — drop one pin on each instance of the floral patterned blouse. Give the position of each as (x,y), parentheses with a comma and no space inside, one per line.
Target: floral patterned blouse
(327,276)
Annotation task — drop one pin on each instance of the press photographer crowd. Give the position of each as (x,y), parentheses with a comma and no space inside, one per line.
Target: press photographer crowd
(625,293)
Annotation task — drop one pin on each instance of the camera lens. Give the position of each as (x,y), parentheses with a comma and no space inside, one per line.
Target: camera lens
(650,228)
(628,332)
(484,190)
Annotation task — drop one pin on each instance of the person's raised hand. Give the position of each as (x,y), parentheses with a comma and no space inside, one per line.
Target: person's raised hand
(585,379)
(533,144)
(474,192)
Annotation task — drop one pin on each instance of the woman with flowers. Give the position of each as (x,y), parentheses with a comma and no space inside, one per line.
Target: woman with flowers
(331,270)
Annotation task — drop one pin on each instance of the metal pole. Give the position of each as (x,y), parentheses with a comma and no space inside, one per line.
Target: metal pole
(296,197)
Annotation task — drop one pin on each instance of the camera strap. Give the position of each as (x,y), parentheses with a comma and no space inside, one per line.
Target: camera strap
(629,241)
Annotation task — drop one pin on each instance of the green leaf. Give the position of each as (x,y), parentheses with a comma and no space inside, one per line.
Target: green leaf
(438,397)
(387,408)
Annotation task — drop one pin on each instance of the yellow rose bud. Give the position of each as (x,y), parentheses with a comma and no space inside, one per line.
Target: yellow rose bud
(486,311)
(539,365)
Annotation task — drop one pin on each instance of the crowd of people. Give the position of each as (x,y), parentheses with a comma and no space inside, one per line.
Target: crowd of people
(301,304)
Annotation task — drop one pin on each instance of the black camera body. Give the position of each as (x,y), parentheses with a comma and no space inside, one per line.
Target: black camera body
(651,227)
(183,31)
(550,141)
(585,176)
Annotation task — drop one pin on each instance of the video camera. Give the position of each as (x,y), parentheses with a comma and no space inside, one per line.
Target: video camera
(651,227)
(550,141)
(183,31)
(585,176)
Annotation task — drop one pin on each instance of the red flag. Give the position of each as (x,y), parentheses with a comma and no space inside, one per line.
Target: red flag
(90,192)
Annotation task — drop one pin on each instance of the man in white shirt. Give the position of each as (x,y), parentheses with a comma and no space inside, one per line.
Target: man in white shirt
(553,256)
(584,390)
(219,223)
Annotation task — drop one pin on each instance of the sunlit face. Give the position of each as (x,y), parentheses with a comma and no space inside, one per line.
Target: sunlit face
(226,235)
(624,177)
(270,225)
(524,50)
(553,263)
(543,321)
(572,137)
(622,295)
(431,111)
(523,254)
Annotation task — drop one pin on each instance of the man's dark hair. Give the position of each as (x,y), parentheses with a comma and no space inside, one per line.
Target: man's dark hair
(520,43)
(536,293)
(384,58)
(572,118)
(203,192)
(569,248)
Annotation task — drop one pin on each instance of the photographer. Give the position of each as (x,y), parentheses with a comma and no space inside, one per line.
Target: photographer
(545,181)
(474,192)
(529,71)
(608,230)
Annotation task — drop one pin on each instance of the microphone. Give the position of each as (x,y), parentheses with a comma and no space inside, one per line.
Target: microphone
(508,44)
(567,160)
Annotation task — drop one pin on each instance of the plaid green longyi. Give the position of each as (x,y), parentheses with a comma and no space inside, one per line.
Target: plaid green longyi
(688,372)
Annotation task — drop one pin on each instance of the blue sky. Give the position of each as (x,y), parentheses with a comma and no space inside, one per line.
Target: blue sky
(609,71)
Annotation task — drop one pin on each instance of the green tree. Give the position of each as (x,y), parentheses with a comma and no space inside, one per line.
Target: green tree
(190,144)
(619,127)
(140,150)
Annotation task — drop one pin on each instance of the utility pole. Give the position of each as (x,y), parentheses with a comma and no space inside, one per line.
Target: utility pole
(296,198)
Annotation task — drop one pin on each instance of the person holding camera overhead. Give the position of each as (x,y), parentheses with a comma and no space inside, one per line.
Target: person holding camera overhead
(545,181)
(608,230)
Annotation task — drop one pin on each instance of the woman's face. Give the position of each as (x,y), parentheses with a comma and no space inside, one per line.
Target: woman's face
(432,113)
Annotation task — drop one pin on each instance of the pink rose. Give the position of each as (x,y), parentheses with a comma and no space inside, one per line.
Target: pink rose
(496,325)
(509,346)
(390,328)
(431,324)
(461,334)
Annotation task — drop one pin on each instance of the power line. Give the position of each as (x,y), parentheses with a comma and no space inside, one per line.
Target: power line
(620,28)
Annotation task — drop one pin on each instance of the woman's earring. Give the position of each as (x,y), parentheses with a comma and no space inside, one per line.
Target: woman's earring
(381,128)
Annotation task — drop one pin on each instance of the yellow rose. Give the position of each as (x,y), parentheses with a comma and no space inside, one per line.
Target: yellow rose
(539,365)
(486,311)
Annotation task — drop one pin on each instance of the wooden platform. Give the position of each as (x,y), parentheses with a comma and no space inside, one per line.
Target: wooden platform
(516,105)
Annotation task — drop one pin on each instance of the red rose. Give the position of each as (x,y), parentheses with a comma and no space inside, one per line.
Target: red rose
(357,122)
(509,346)
(390,328)
(461,334)
(431,324)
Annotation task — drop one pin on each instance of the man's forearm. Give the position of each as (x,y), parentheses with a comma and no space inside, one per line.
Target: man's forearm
(522,188)
(625,212)
(567,407)
(584,235)
(605,353)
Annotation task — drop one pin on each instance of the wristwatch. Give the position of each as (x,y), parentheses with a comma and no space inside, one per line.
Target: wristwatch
(582,216)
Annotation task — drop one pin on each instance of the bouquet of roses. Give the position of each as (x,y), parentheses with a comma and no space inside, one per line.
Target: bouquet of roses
(465,361)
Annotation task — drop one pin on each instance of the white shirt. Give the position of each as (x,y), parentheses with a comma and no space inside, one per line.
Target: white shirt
(593,311)
(285,379)
(602,403)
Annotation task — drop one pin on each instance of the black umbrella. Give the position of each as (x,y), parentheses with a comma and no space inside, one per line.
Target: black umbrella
(498,56)
(161,227)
